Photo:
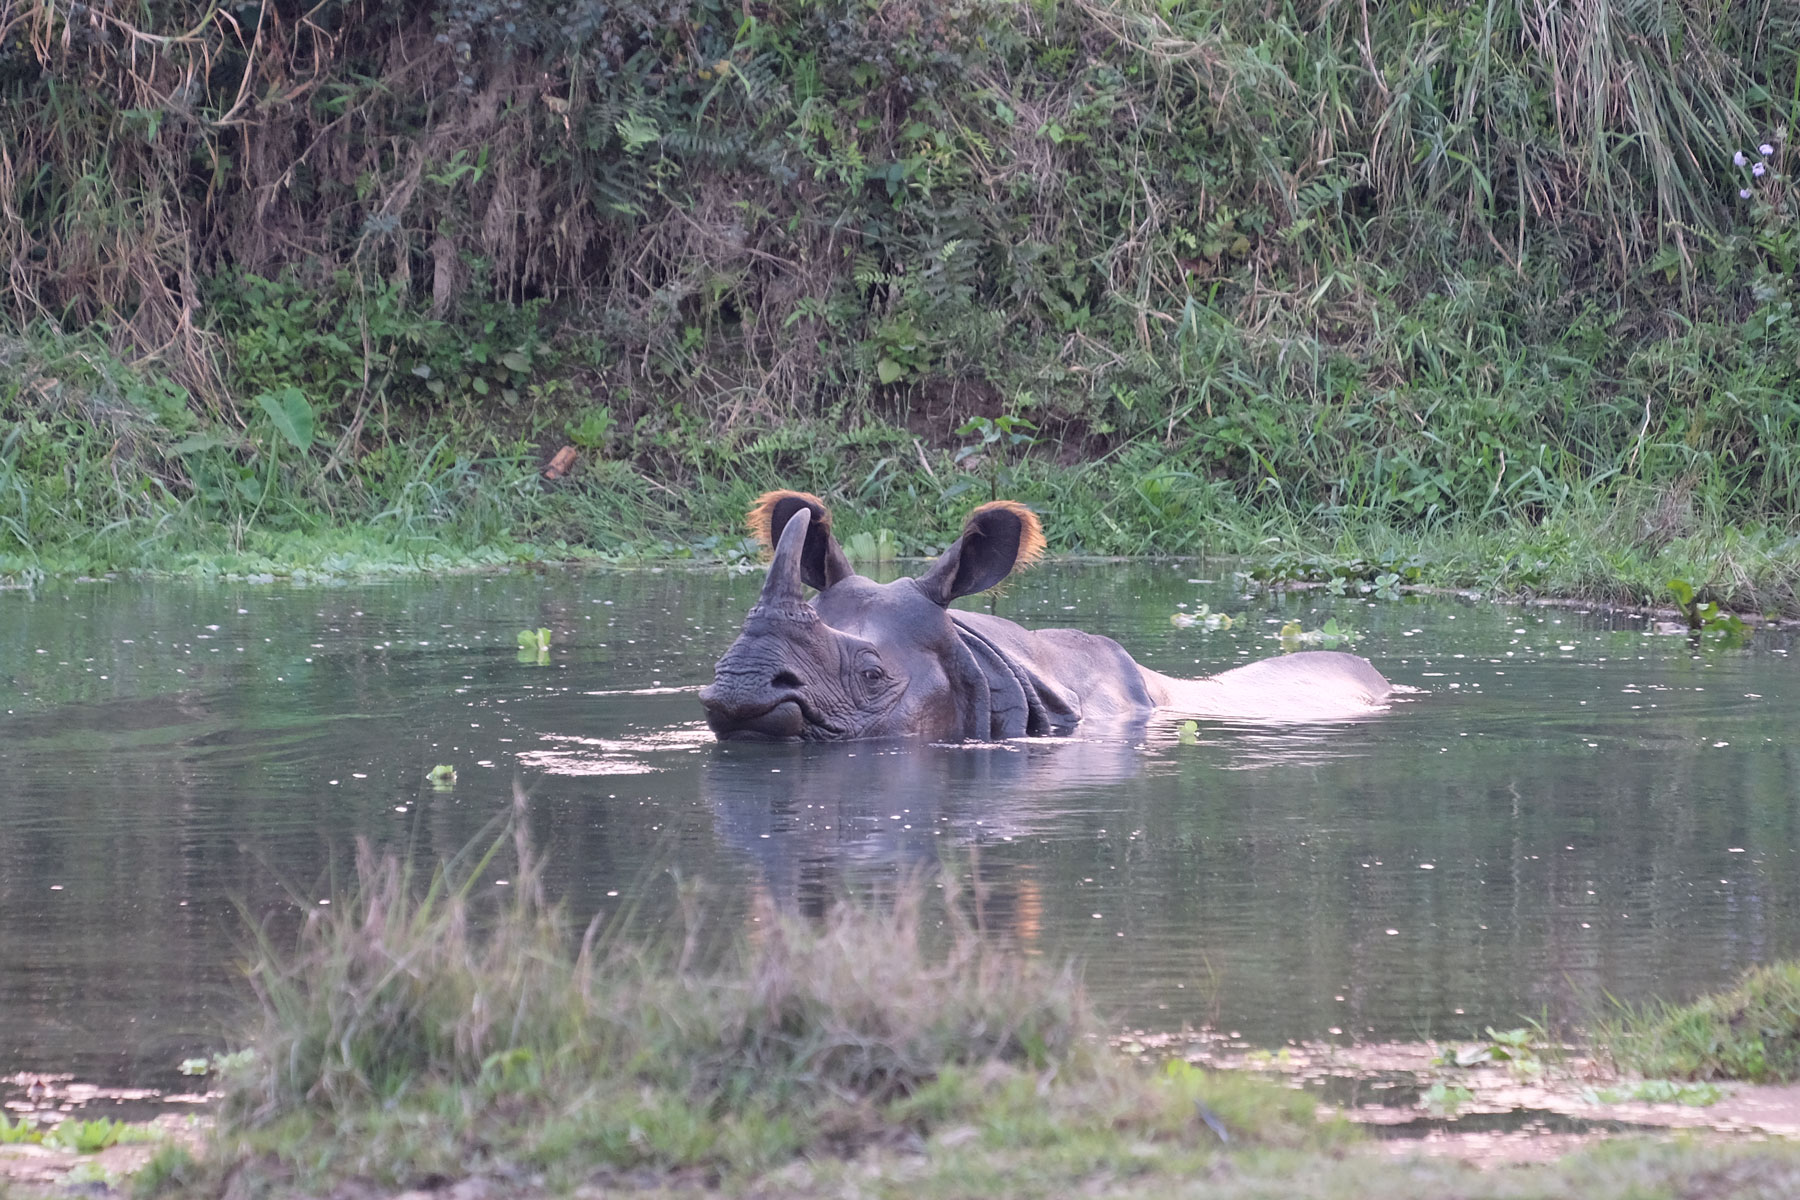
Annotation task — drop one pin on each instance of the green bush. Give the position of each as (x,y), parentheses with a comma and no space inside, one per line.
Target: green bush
(1750,1031)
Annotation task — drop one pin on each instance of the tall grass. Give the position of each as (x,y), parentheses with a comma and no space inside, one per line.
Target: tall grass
(1749,1031)
(421,1027)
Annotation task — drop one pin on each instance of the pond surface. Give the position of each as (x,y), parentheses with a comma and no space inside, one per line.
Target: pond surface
(1572,807)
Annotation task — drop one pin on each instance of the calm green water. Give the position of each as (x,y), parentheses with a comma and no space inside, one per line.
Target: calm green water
(1571,808)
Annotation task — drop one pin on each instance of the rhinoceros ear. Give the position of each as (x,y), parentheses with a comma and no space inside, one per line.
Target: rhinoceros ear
(997,539)
(822,560)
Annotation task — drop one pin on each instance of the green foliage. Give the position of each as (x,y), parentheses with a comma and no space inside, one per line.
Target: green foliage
(1520,1049)
(292,415)
(1294,636)
(19,1132)
(170,1169)
(414,1023)
(998,440)
(1661,1091)
(1445,1099)
(593,430)
(1204,619)
(1750,1031)
(91,1137)
(865,546)
(1438,266)
(534,646)
(1706,616)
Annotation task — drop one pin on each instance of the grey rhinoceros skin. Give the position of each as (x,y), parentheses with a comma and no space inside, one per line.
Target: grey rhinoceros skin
(863,659)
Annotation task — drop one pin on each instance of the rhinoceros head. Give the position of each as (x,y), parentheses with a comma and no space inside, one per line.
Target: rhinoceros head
(861,659)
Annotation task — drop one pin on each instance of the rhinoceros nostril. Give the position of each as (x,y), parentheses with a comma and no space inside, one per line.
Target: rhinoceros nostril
(786,679)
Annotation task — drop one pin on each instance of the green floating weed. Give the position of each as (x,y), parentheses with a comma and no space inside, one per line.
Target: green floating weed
(239,1060)
(1660,1091)
(1445,1099)
(1294,636)
(534,646)
(1517,1048)
(1707,616)
(1204,618)
(442,777)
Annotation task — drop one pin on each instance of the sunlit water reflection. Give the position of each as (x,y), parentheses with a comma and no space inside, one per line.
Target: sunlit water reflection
(1571,807)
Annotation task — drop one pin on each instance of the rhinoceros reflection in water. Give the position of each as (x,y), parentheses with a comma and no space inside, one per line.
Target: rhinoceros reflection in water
(843,816)
(865,659)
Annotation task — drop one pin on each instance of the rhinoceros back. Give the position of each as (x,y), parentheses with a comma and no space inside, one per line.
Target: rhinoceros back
(1314,685)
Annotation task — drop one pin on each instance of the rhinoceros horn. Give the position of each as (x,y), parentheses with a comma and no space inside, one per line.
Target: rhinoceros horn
(781,594)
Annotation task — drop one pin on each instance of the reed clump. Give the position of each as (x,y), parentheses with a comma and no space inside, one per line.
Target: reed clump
(1749,1031)
(440,1029)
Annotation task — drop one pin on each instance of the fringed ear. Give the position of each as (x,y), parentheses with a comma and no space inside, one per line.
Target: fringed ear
(822,562)
(997,539)
(987,520)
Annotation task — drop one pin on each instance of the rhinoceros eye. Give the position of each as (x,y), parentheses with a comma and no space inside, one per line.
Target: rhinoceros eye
(871,671)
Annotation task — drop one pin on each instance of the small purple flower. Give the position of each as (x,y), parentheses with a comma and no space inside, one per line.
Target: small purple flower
(1759,169)
(1743,193)
(1765,149)
(1738,158)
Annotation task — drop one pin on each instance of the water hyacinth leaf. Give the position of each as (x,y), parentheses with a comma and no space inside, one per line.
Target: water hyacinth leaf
(292,414)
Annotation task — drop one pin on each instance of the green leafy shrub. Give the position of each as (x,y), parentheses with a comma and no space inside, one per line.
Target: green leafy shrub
(1750,1031)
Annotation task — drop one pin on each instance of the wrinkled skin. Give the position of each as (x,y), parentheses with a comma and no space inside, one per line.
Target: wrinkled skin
(865,659)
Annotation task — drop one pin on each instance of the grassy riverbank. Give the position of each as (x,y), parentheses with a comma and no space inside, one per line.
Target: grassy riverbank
(94,478)
(1501,293)
(415,1033)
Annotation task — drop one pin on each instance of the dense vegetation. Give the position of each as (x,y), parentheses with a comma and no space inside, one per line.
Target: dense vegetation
(1750,1030)
(1507,285)
(430,1033)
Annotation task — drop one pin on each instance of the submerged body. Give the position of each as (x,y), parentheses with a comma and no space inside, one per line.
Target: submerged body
(864,659)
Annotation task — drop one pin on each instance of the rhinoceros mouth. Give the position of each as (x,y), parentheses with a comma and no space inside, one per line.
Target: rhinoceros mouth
(786,720)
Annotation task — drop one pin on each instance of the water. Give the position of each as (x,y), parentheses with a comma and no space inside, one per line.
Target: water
(1572,808)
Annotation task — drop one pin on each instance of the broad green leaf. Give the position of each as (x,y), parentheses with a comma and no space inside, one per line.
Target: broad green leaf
(292,414)
(197,443)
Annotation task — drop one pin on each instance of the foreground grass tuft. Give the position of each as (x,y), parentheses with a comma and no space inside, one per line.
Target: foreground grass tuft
(413,1031)
(1750,1031)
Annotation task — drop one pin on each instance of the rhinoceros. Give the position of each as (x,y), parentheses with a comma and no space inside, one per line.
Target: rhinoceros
(865,659)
